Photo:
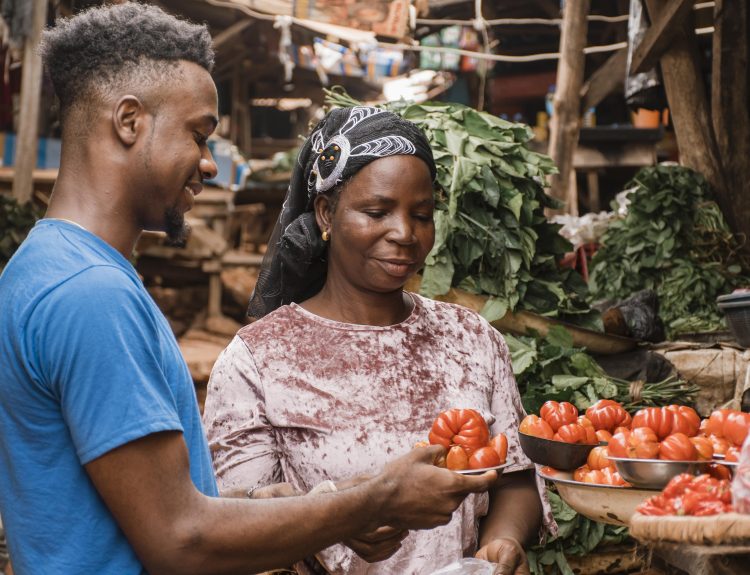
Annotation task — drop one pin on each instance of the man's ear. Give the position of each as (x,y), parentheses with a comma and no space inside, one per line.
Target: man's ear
(128,119)
(323,215)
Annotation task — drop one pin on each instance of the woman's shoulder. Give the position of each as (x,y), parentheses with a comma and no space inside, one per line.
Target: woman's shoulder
(445,313)
(280,321)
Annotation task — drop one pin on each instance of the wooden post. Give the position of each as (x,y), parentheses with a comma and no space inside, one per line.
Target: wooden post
(566,117)
(28,125)
(688,104)
(730,99)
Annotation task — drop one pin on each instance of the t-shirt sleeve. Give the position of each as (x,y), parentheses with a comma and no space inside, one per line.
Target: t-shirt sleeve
(95,340)
(508,411)
(240,437)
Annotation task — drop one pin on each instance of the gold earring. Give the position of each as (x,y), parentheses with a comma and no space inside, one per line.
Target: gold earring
(325,235)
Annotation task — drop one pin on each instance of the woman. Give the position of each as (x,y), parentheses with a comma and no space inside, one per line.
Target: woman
(345,370)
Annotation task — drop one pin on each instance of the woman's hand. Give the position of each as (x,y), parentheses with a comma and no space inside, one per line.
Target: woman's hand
(377,545)
(509,555)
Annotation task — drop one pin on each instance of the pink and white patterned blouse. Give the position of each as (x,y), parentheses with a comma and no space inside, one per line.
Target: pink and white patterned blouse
(296,397)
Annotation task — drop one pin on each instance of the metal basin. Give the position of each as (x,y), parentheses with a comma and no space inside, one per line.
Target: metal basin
(655,473)
(557,454)
(604,503)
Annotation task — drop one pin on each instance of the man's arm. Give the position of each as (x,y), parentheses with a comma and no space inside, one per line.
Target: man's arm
(514,518)
(175,529)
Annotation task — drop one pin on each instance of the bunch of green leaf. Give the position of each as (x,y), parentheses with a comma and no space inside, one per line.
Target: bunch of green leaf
(491,234)
(675,241)
(284,161)
(576,535)
(16,220)
(551,368)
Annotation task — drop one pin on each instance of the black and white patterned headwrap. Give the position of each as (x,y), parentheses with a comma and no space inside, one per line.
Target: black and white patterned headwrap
(344,142)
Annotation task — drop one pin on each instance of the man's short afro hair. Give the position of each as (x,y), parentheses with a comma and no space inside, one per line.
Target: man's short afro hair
(101,46)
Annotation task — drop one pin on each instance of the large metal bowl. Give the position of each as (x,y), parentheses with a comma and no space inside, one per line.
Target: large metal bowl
(557,454)
(655,473)
(604,503)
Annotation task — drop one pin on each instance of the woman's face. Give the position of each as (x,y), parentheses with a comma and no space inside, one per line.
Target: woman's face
(382,228)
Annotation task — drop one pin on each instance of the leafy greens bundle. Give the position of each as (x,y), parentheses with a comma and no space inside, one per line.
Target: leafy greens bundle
(675,241)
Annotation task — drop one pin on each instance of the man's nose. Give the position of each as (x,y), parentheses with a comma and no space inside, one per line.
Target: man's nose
(207,166)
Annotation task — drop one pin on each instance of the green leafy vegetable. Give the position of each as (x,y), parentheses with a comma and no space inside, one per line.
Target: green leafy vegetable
(675,241)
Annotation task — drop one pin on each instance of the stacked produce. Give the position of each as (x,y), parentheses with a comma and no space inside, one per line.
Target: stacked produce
(675,241)
(491,234)
(688,494)
(464,433)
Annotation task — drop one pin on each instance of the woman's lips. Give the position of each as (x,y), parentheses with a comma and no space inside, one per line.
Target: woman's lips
(396,268)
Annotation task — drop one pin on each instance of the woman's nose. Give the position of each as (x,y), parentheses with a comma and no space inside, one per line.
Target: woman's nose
(402,230)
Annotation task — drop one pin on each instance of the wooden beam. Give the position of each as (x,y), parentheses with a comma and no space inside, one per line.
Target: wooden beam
(605,80)
(688,104)
(566,116)
(31,91)
(730,100)
(223,38)
(660,34)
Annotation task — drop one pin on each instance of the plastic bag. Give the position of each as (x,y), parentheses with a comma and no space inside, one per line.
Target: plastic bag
(467,566)
(741,481)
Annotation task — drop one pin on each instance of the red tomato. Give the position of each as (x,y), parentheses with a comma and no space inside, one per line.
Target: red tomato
(500,444)
(678,447)
(603,436)
(484,457)
(581,472)
(720,444)
(714,425)
(656,418)
(687,420)
(641,443)
(677,485)
(536,426)
(719,471)
(736,427)
(733,454)
(464,427)
(456,459)
(608,414)
(585,421)
(575,433)
(598,458)
(558,414)
(703,447)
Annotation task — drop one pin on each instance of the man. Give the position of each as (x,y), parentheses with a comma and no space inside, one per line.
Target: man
(103,464)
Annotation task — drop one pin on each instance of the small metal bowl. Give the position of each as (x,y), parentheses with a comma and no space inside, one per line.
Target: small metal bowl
(655,473)
(557,454)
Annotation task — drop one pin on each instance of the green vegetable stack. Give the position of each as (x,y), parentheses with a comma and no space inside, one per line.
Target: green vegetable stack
(491,233)
(675,241)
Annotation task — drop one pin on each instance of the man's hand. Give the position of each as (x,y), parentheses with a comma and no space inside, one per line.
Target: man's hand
(509,555)
(377,545)
(274,490)
(421,495)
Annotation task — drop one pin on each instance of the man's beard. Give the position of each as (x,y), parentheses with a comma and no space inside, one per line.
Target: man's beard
(176,228)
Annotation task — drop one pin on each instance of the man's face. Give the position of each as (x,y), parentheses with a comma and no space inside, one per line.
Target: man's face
(176,158)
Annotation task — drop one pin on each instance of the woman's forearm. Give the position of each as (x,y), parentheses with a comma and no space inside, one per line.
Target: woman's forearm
(515,509)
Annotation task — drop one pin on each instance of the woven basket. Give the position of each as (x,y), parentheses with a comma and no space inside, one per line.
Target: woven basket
(723,529)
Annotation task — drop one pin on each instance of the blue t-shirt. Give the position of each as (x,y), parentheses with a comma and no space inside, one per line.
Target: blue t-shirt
(87,364)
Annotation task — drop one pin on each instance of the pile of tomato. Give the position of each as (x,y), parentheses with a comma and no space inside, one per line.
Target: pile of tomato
(464,433)
(687,494)
(674,432)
